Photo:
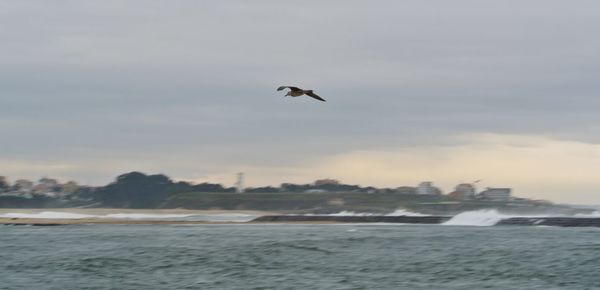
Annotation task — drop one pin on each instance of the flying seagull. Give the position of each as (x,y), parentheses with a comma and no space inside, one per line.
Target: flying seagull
(296,92)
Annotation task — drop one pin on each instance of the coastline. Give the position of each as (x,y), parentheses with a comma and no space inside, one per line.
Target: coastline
(95,216)
(101,211)
(98,221)
(61,222)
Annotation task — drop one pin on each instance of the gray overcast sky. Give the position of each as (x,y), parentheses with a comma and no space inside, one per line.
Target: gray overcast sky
(449,91)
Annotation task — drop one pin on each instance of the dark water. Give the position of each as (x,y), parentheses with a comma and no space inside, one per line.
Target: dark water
(298,257)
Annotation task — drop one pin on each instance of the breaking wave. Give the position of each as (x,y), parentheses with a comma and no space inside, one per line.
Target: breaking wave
(403,212)
(143,216)
(351,213)
(398,212)
(484,218)
(588,215)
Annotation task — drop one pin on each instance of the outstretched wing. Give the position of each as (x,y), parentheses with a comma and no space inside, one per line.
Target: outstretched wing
(288,87)
(313,95)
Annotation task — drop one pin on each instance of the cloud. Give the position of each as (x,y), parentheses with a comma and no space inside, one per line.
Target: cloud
(115,84)
(536,167)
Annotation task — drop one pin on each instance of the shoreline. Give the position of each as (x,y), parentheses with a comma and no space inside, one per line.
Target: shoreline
(431,220)
(98,221)
(102,216)
(101,211)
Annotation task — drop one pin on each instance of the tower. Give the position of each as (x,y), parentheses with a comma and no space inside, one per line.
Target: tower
(239,185)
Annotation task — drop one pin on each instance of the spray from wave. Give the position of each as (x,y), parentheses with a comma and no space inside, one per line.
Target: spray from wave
(483,218)
(350,213)
(142,216)
(403,212)
(588,215)
(490,217)
(398,212)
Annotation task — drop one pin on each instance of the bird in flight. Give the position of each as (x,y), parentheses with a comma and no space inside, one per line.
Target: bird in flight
(296,92)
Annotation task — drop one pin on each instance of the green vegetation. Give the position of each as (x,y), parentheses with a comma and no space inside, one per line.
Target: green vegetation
(4,186)
(138,190)
(34,202)
(294,201)
(332,202)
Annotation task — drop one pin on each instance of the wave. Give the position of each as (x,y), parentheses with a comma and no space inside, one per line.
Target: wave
(350,213)
(143,216)
(484,218)
(403,212)
(588,215)
(490,217)
(398,212)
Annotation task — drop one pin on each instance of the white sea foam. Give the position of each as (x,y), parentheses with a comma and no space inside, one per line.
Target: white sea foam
(490,217)
(351,213)
(398,212)
(403,212)
(142,216)
(487,217)
(588,215)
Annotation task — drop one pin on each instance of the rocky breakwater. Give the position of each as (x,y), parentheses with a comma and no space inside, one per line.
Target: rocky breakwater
(353,219)
(448,220)
(551,221)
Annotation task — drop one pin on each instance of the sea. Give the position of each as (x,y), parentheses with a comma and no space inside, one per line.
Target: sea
(299,256)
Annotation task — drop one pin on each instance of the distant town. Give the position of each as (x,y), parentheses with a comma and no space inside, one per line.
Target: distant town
(53,188)
(138,190)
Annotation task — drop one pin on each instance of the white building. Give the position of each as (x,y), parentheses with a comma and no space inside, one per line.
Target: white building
(427,188)
(239,184)
(465,191)
(496,194)
(315,191)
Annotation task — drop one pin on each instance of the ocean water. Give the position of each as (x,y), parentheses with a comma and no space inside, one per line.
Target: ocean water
(341,256)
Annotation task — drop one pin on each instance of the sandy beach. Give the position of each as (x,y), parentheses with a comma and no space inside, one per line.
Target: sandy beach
(20,216)
(102,211)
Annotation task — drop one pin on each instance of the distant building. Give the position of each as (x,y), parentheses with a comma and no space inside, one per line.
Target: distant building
(46,186)
(48,182)
(23,185)
(496,194)
(370,190)
(326,181)
(406,190)
(239,185)
(3,183)
(427,188)
(464,191)
(69,187)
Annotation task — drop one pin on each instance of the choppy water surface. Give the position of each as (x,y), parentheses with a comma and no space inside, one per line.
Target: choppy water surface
(298,257)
